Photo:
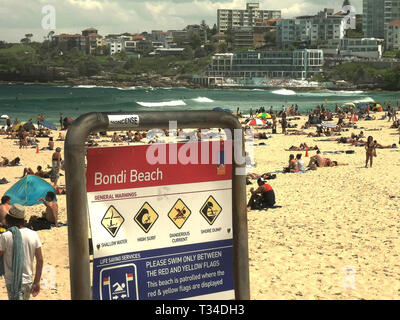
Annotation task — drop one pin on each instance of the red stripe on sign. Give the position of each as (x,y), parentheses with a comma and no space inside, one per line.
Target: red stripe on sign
(128,167)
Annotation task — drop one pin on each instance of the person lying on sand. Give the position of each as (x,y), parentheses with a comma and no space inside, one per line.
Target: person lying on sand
(39,173)
(296,133)
(5,162)
(303,147)
(331,163)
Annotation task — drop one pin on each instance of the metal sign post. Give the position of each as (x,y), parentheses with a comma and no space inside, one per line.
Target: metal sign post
(77,211)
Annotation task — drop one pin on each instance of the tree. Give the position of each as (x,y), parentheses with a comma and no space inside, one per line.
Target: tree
(188,53)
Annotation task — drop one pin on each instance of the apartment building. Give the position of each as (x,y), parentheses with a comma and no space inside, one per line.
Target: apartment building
(311,29)
(296,64)
(88,41)
(392,36)
(377,14)
(231,18)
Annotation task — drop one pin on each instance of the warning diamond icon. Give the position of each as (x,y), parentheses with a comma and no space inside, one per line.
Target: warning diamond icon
(112,221)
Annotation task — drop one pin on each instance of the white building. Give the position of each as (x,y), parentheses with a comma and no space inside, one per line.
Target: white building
(363,48)
(296,64)
(311,29)
(229,19)
(393,35)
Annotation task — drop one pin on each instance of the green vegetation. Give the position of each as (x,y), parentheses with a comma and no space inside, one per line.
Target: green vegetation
(356,72)
(20,58)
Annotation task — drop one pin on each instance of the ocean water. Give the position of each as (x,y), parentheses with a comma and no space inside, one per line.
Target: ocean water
(27,101)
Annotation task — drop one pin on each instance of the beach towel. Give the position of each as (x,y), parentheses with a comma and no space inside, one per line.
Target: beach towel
(17,263)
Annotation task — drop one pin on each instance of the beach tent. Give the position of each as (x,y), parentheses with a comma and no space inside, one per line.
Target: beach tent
(4,116)
(256,122)
(315,120)
(29,126)
(28,190)
(47,125)
(16,128)
(264,115)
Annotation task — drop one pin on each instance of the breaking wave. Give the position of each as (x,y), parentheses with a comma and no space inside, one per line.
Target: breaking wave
(172,103)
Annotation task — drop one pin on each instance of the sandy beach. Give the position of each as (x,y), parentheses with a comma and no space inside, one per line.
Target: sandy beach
(336,235)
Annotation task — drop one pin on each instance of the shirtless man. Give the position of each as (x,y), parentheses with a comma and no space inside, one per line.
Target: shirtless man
(319,159)
(51,213)
(4,207)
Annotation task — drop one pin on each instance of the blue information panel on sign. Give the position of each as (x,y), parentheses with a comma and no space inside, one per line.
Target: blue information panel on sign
(168,274)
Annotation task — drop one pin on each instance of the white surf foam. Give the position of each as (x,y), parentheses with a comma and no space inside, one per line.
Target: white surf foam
(203,99)
(172,103)
(284,92)
(365,100)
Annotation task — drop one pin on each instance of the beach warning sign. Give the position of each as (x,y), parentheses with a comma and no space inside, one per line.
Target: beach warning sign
(112,221)
(161,230)
(210,210)
(179,213)
(146,217)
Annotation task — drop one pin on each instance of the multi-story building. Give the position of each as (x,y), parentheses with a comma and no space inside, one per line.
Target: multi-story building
(230,18)
(377,14)
(392,37)
(296,64)
(311,29)
(69,40)
(243,37)
(371,48)
(263,28)
(88,41)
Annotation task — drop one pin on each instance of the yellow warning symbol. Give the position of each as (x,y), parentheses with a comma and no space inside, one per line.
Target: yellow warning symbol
(179,213)
(146,217)
(112,221)
(211,210)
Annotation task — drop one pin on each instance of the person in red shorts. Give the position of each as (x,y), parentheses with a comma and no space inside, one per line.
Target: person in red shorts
(262,197)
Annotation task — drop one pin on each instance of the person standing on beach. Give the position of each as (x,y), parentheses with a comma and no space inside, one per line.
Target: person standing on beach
(18,248)
(284,123)
(61,121)
(56,165)
(370,148)
(274,123)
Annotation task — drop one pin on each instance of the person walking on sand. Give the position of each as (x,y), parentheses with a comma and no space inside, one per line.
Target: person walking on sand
(370,148)
(18,248)
(56,166)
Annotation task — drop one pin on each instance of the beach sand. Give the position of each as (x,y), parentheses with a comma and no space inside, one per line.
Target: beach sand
(336,235)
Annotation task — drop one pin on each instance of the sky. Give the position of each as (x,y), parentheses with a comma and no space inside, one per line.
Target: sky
(18,18)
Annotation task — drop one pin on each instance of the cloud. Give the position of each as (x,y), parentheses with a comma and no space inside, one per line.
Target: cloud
(116,16)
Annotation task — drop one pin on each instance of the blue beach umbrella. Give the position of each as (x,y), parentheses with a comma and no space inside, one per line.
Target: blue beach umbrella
(47,125)
(28,190)
(218,109)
